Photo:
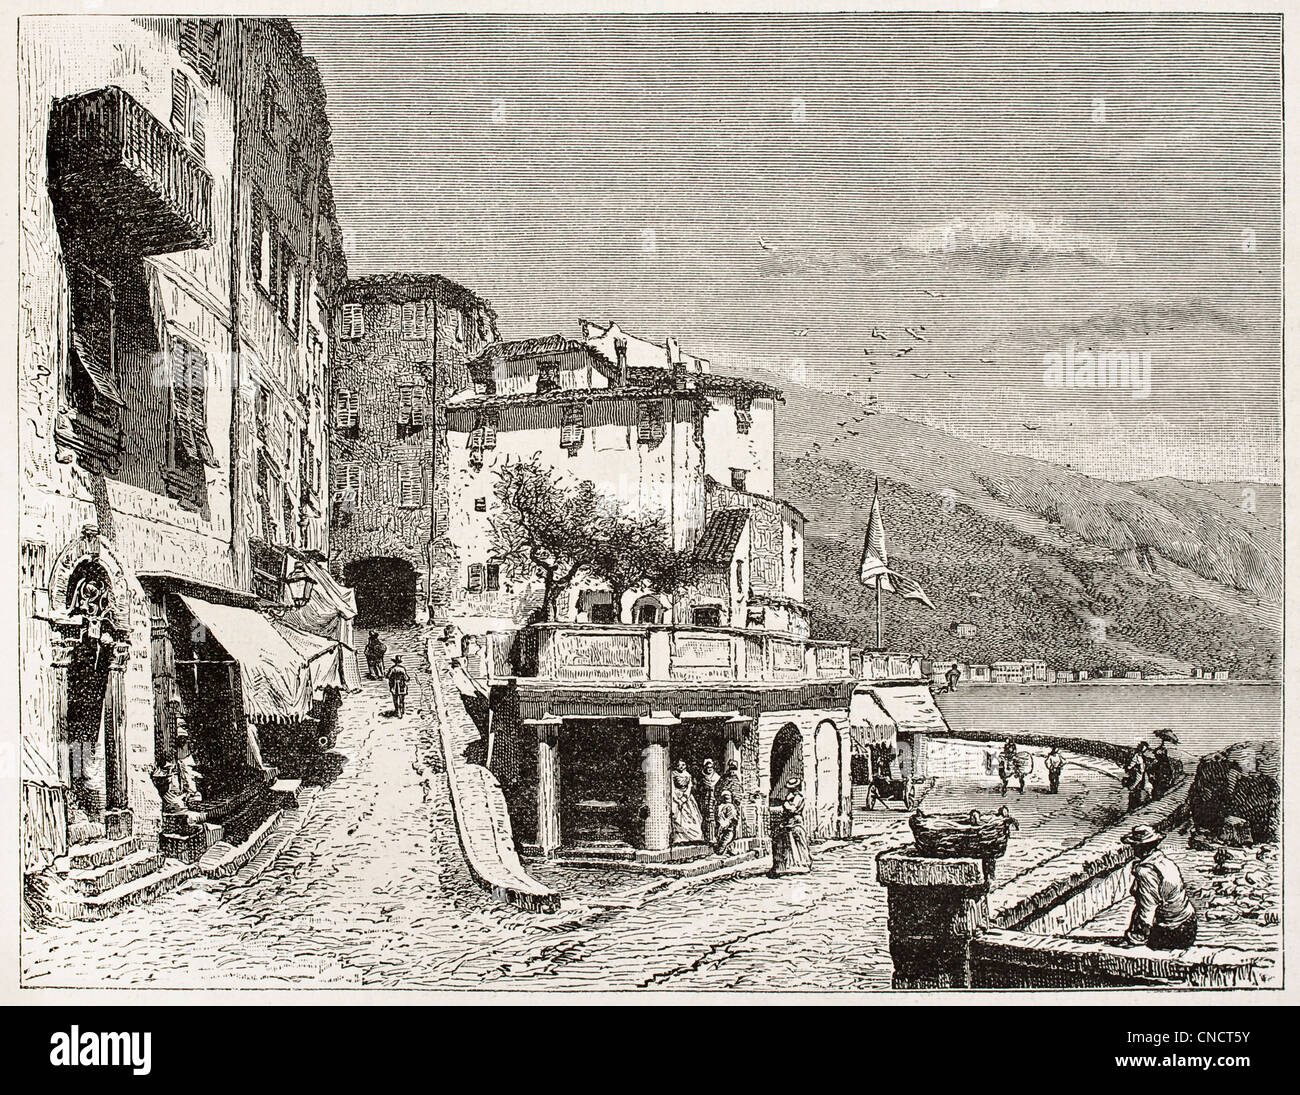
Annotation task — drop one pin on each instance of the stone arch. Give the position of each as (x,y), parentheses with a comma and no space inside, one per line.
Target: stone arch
(786,761)
(87,556)
(648,604)
(828,751)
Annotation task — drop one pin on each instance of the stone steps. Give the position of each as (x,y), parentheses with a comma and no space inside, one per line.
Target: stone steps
(138,891)
(84,857)
(93,881)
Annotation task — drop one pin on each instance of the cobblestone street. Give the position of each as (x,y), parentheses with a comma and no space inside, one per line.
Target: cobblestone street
(372,891)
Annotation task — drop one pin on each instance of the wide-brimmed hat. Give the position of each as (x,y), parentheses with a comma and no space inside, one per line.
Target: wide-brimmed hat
(796,782)
(1141,836)
(1165,734)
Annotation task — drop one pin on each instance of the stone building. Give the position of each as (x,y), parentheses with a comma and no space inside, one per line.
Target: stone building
(180,264)
(404,342)
(596,719)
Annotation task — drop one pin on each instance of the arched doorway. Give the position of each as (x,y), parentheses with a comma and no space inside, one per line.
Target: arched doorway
(787,760)
(829,775)
(385,591)
(648,610)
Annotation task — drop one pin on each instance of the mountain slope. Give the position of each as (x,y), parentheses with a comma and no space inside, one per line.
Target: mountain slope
(1044,561)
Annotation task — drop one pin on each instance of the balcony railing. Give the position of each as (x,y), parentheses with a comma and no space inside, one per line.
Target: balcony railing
(117,173)
(612,653)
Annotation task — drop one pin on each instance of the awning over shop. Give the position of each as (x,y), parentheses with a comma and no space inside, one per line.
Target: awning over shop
(912,708)
(869,723)
(281,669)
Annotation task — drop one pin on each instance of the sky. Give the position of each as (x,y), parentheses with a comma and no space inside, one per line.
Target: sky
(792,194)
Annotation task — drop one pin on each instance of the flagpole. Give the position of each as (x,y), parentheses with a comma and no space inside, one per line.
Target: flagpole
(880,617)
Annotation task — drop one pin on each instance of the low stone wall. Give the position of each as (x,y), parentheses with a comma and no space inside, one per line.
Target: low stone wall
(1075,885)
(478,804)
(1011,959)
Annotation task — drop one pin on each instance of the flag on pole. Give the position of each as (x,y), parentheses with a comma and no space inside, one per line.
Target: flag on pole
(875,559)
(875,569)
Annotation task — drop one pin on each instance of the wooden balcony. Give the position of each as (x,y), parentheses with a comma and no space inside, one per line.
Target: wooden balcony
(653,653)
(118,176)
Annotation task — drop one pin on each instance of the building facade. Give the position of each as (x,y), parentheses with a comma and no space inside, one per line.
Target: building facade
(405,339)
(606,721)
(180,262)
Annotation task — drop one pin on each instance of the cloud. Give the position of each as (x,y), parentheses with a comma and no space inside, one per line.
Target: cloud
(996,243)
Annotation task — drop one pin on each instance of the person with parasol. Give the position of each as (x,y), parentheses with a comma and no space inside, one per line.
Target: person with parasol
(1165,771)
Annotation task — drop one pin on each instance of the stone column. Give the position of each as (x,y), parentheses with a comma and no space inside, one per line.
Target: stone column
(548,787)
(657,836)
(731,753)
(162,661)
(936,908)
(60,660)
(117,815)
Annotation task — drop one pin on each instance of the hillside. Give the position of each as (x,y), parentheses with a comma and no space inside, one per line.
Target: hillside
(1044,561)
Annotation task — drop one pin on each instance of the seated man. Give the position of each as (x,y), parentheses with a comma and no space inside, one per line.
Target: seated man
(1163,916)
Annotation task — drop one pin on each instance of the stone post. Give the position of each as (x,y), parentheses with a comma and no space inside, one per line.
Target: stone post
(117,814)
(654,766)
(548,787)
(936,908)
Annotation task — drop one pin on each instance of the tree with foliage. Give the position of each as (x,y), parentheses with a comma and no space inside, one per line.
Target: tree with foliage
(634,550)
(545,526)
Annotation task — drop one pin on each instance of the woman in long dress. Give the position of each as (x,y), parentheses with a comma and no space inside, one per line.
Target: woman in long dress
(790,851)
(684,811)
(710,777)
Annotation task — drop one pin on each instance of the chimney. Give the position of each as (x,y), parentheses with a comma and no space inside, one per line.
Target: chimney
(620,352)
(674,349)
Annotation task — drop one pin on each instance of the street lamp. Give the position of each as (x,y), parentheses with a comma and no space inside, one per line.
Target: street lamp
(300,585)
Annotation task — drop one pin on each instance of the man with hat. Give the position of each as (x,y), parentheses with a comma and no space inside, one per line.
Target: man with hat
(1163,916)
(397,684)
(1137,778)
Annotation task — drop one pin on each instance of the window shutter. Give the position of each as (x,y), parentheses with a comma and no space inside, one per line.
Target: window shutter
(475,583)
(650,423)
(209,36)
(255,240)
(347,409)
(410,487)
(180,101)
(189,41)
(198,116)
(418,410)
(571,431)
(493,577)
(489,431)
(354,324)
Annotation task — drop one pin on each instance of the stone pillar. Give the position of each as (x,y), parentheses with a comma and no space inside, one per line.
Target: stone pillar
(732,745)
(936,908)
(654,766)
(117,815)
(548,787)
(162,661)
(60,660)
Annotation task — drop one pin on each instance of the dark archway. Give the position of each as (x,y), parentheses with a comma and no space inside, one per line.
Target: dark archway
(385,591)
(787,759)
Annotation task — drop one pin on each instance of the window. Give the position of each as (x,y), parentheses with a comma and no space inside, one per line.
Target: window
(347,489)
(410,486)
(482,436)
(347,411)
(354,322)
(269,110)
(706,616)
(794,557)
(92,355)
(572,429)
(738,478)
(294,299)
(650,423)
(744,415)
(493,577)
(410,409)
(415,319)
(189,420)
(306,463)
(474,582)
(283,271)
(480,505)
(740,576)
(548,376)
(189,110)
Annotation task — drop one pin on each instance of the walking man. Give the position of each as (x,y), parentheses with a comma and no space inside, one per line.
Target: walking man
(1054,762)
(1163,916)
(397,682)
(1137,778)
(952,677)
(375,651)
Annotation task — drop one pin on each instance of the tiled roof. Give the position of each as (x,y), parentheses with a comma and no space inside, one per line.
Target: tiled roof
(721,534)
